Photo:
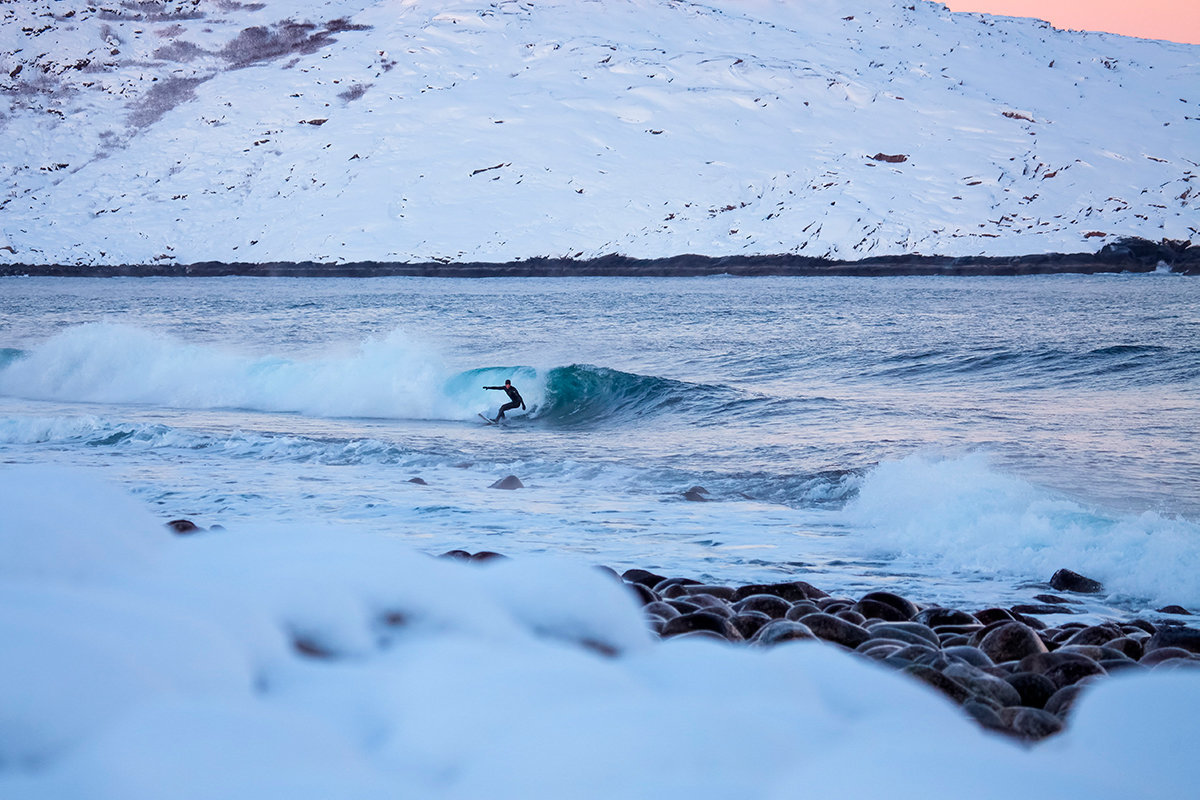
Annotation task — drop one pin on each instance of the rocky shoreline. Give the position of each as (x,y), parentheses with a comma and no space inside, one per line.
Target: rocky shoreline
(1007,669)
(1124,255)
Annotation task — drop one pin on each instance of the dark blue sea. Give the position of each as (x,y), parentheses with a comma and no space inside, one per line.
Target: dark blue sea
(956,439)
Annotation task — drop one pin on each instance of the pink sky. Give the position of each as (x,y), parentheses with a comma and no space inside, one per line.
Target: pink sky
(1176,20)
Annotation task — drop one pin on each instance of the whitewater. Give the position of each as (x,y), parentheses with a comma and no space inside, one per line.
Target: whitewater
(953,440)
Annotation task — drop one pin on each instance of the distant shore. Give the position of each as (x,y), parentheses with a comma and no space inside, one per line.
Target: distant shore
(1125,255)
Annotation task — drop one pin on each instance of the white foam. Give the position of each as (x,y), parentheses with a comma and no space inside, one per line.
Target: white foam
(962,514)
(394,376)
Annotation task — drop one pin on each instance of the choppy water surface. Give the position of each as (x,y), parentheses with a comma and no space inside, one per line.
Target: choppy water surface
(957,439)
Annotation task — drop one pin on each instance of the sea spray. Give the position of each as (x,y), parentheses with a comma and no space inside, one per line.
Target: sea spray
(395,376)
(963,515)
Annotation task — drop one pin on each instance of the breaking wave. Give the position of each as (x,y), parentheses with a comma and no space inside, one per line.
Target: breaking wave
(391,378)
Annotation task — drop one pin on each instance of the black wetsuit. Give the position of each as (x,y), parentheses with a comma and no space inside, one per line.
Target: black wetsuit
(514,398)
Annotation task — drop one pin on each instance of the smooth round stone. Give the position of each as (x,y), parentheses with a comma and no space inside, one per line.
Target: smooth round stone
(853,617)
(773,606)
(873,609)
(984,630)
(903,605)
(656,623)
(989,615)
(1191,662)
(1062,701)
(1115,665)
(983,685)
(985,715)
(912,652)
(793,591)
(1040,608)
(683,606)
(970,655)
(947,686)
(1032,622)
(778,631)
(965,630)
(1161,654)
(1130,647)
(749,622)
(670,591)
(801,609)
(1040,662)
(1068,673)
(700,634)
(1034,689)
(1093,651)
(660,609)
(832,605)
(1141,624)
(1054,599)
(1064,580)
(488,555)
(913,632)
(1175,636)
(645,578)
(956,640)
(702,621)
(935,659)
(662,586)
(723,592)
(879,652)
(870,643)
(709,603)
(1030,723)
(458,555)
(834,629)
(645,596)
(509,482)
(937,617)
(1011,642)
(1095,635)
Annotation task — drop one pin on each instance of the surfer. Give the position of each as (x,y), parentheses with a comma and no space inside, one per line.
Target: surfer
(514,399)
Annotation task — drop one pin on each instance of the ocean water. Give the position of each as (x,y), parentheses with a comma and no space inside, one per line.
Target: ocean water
(953,439)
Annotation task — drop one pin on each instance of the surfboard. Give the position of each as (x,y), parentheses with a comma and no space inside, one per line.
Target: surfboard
(486,419)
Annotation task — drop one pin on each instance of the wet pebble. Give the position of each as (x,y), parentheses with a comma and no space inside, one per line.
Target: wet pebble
(1007,670)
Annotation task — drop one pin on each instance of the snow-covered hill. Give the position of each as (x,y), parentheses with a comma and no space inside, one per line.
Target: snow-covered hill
(418,130)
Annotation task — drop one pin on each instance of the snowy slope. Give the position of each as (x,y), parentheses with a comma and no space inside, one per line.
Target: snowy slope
(344,130)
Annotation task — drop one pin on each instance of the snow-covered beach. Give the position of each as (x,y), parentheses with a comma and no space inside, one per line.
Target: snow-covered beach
(309,663)
(903,442)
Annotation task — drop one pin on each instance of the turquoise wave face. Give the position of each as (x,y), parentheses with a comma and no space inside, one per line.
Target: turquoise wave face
(8,355)
(584,394)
